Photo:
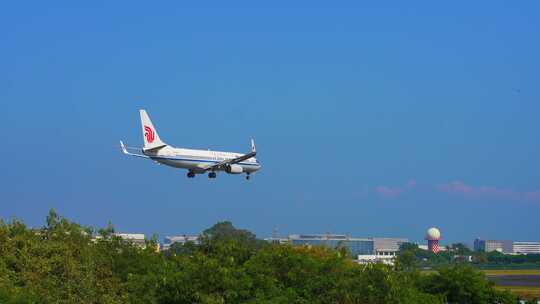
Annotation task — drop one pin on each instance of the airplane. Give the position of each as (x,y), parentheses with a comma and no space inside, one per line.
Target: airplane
(195,161)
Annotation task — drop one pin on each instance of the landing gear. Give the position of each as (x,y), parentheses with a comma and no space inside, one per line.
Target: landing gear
(248,176)
(212,175)
(191,174)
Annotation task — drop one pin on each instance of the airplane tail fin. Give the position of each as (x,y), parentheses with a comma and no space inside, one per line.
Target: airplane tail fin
(150,135)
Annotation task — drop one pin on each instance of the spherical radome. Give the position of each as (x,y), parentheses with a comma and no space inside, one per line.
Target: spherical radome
(433,234)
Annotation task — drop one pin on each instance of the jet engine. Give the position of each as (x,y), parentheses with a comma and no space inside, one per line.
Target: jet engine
(234,169)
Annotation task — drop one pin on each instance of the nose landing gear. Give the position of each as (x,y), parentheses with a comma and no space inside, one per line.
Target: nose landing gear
(248,176)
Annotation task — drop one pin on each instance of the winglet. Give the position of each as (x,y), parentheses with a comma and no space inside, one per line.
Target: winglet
(124,149)
(253,147)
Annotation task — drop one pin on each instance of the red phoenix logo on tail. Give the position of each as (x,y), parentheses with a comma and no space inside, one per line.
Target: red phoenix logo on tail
(149,134)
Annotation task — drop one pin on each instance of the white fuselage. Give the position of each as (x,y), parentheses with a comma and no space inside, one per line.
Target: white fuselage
(197,160)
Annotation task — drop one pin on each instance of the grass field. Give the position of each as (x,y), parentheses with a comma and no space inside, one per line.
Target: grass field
(499,272)
(528,292)
(512,272)
(522,291)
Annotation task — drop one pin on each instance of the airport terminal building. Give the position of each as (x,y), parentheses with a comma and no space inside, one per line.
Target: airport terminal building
(356,246)
(507,247)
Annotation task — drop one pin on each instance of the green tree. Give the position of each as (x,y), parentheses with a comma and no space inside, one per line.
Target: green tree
(463,284)
(63,263)
(406,261)
(225,231)
(460,249)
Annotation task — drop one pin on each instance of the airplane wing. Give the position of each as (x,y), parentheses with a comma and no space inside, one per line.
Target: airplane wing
(125,151)
(224,163)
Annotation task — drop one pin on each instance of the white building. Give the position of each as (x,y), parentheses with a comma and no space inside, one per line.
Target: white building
(526,247)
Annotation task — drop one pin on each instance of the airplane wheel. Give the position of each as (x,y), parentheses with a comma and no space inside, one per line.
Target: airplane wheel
(212,175)
(191,174)
(248,177)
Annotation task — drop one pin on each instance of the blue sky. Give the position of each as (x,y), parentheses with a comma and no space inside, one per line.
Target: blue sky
(374,119)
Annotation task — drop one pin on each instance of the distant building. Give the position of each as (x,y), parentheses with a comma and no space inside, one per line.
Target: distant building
(526,247)
(277,240)
(479,245)
(462,258)
(356,246)
(423,247)
(503,246)
(388,244)
(426,247)
(386,257)
(385,251)
(137,239)
(377,247)
(182,239)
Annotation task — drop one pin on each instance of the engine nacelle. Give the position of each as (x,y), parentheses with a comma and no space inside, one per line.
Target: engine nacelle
(234,169)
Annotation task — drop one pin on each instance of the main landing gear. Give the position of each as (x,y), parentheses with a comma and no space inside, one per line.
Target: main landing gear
(212,175)
(248,176)
(191,174)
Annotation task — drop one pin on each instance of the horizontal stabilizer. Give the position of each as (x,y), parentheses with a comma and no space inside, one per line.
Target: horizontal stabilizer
(126,149)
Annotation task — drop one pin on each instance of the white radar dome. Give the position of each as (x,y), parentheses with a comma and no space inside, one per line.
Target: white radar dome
(433,234)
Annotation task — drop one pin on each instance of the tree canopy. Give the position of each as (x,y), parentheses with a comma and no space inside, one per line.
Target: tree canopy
(63,262)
